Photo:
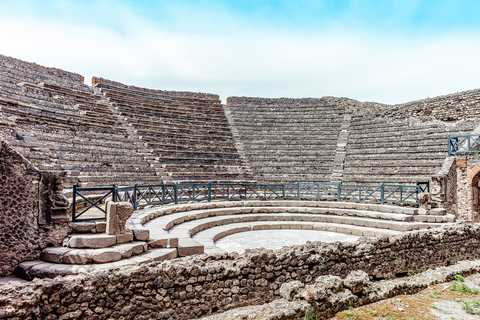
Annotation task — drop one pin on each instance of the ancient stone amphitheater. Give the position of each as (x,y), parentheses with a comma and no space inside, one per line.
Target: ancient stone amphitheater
(76,160)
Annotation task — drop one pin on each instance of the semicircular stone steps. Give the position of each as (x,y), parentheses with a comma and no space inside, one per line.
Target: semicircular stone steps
(166,232)
(182,223)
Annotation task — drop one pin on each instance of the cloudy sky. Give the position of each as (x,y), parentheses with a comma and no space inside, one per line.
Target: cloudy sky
(369,50)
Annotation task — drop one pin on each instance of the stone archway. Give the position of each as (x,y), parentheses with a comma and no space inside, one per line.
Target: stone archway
(473,192)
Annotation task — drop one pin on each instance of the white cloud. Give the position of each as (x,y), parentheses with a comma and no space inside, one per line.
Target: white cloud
(269,63)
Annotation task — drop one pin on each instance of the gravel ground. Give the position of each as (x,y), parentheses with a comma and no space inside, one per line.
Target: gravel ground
(436,302)
(449,300)
(276,239)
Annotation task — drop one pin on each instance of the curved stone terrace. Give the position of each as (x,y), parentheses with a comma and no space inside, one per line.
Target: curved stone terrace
(178,230)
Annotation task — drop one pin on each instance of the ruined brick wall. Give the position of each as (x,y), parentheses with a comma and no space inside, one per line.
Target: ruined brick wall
(190,287)
(21,237)
(468,168)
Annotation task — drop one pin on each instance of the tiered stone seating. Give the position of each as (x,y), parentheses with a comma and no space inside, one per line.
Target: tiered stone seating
(186,229)
(288,142)
(382,152)
(59,123)
(189,135)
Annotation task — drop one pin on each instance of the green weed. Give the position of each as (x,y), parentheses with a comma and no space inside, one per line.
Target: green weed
(309,314)
(459,277)
(439,309)
(463,288)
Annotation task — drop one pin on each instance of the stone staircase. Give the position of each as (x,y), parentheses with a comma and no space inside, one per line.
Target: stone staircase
(89,248)
(137,140)
(340,153)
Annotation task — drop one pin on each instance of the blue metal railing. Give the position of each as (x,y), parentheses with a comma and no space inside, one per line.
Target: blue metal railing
(463,144)
(149,195)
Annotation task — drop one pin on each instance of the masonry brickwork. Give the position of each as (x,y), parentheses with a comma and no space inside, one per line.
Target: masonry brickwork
(21,236)
(190,287)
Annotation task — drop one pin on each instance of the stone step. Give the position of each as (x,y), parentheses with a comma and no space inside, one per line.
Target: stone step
(93,241)
(41,269)
(86,256)
(209,236)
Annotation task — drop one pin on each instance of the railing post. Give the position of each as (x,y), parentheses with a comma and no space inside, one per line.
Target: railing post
(114,193)
(449,146)
(209,192)
(298,191)
(74,206)
(134,196)
(339,191)
(175,192)
(283,191)
(382,193)
(264,192)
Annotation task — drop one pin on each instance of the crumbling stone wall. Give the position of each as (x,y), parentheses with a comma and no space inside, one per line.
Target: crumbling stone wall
(21,235)
(190,287)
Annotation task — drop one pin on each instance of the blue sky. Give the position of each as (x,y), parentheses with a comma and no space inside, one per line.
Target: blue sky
(383,51)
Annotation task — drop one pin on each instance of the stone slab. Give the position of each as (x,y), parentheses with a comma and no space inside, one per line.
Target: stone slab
(124,237)
(188,247)
(95,241)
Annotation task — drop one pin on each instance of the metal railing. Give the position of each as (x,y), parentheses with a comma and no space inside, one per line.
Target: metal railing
(149,195)
(463,144)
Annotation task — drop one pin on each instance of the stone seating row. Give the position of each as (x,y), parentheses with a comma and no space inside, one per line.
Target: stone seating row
(35,71)
(180,109)
(185,221)
(155,132)
(196,128)
(334,109)
(174,106)
(175,122)
(124,90)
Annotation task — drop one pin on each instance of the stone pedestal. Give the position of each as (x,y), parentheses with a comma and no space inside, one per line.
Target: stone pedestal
(117,216)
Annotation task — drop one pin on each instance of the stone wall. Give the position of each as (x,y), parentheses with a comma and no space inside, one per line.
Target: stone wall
(468,188)
(21,235)
(181,94)
(190,287)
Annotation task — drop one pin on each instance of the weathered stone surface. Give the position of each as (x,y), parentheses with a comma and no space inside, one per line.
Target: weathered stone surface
(21,236)
(356,280)
(105,255)
(290,289)
(124,237)
(92,241)
(77,257)
(188,247)
(81,227)
(54,254)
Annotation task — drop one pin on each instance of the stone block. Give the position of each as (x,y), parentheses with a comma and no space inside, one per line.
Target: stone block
(82,227)
(124,237)
(105,255)
(100,226)
(111,224)
(188,246)
(141,234)
(92,241)
(54,255)
(438,212)
(77,257)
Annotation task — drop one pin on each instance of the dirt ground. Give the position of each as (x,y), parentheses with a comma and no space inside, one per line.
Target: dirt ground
(453,300)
